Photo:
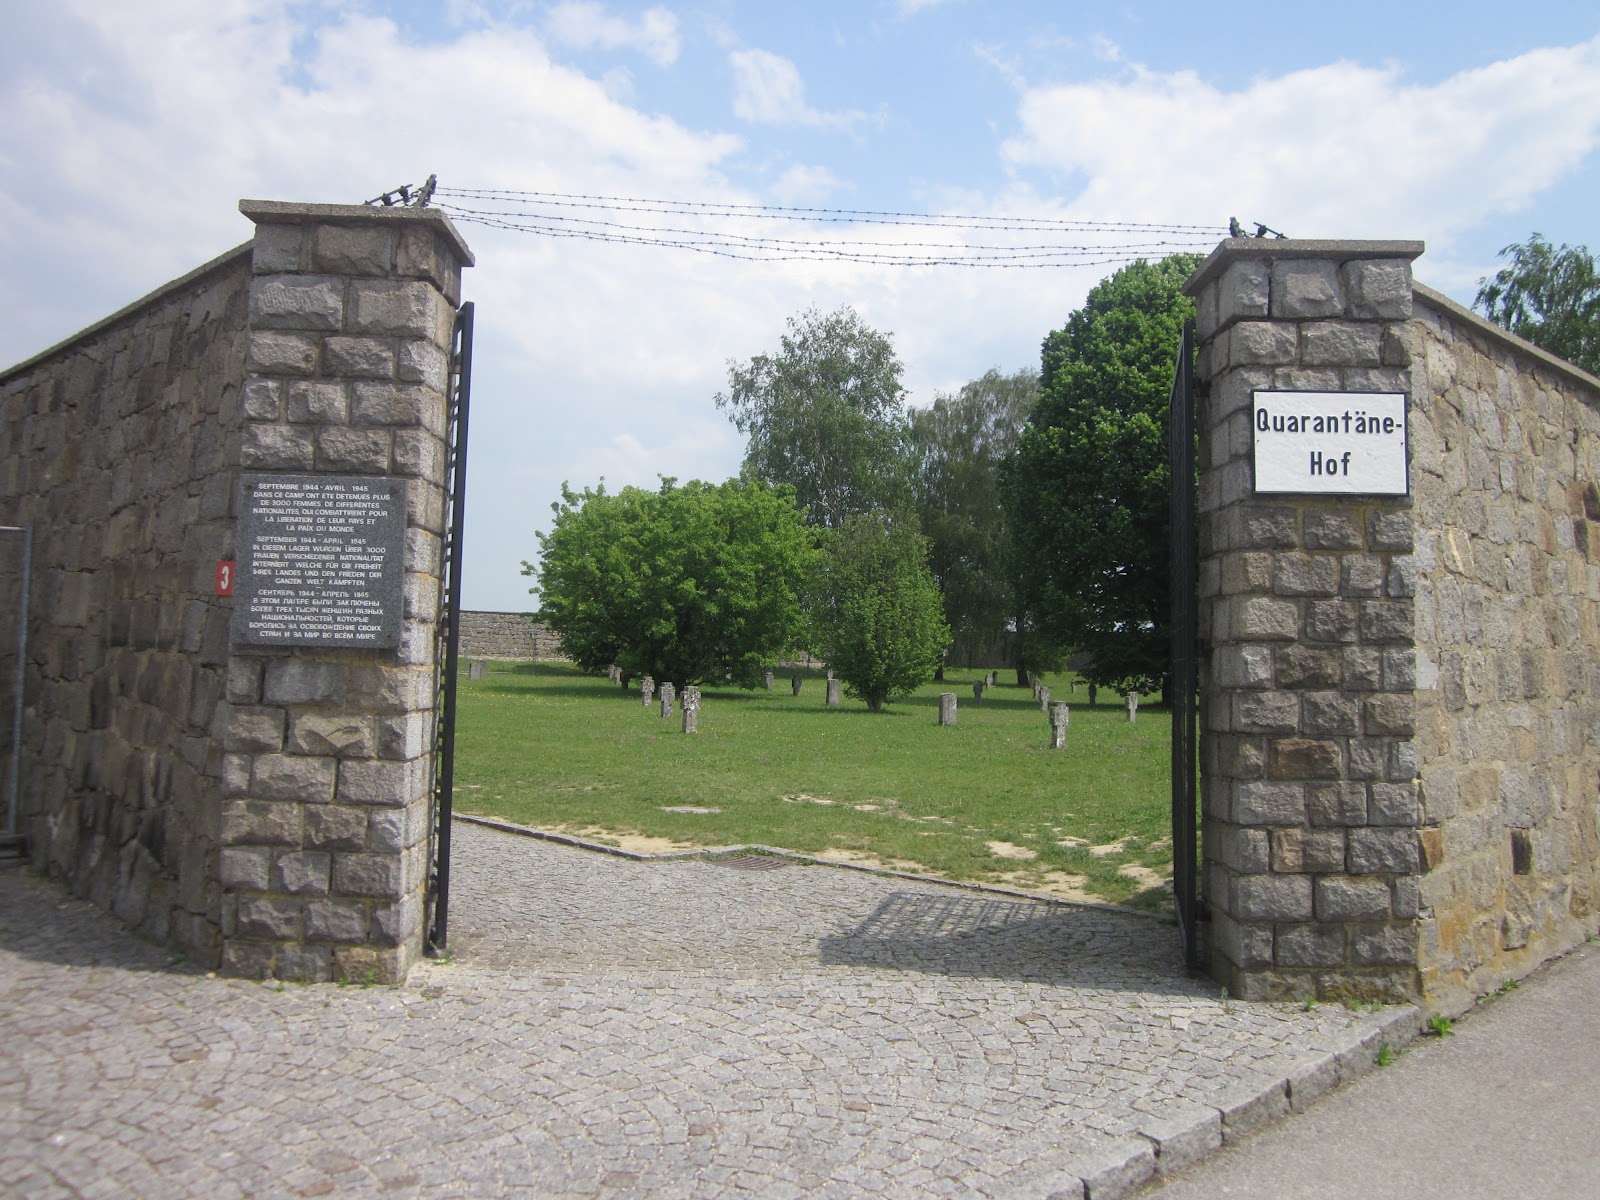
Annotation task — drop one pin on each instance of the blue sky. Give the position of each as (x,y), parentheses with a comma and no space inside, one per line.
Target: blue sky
(128,132)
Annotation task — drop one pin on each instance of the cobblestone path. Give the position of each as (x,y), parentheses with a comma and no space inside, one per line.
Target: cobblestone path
(684,1029)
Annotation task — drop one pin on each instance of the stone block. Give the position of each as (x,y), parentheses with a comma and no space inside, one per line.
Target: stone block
(1310,1079)
(425,363)
(1266,712)
(1330,714)
(250,729)
(1242,666)
(1247,851)
(247,868)
(1386,850)
(259,823)
(1351,898)
(1341,344)
(1402,577)
(1114,1168)
(1271,897)
(1331,621)
(418,453)
(358,357)
(396,921)
(1261,343)
(1306,575)
(1182,1135)
(397,308)
(312,402)
(403,735)
(1362,575)
(303,964)
(422,253)
(1378,289)
(1303,288)
(1248,1105)
(244,679)
(260,401)
(335,921)
(1332,530)
(1389,714)
(1266,527)
(301,302)
(301,681)
(340,735)
(359,451)
(1250,571)
(380,876)
(1243,291)
(292,777)
(1393,804)
(1387,944)
(1309,945)
(1306,667)
(1363,669)
(352,250)
(277,248)
(1302,758)
(334,827)
(301,873)
(276,447)
(1265,618)
(1337,805)
(387,784)
(1307,851)
(267,919)
(1387,621)
(1248,947)
(1390,530)
(398,404)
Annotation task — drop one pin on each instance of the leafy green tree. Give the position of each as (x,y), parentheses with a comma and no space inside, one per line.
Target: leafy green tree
(825,414)
(958,446)
(1549,295)
(1088,489)
(683,583)
(875,612)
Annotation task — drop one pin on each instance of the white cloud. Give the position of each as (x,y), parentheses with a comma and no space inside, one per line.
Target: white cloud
(587,26)
(768,90)
(1340,150)
(909,8)
(802,184)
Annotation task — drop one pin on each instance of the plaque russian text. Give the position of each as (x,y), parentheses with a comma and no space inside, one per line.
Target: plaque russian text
(320,560)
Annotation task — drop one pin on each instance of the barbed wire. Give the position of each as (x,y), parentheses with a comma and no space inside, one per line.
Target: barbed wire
(733,231)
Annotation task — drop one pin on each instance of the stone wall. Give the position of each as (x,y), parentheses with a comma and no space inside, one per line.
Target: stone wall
(1399,713)
(118,448)
(1307,770)
(261,809)
(1506,469)
(504,635)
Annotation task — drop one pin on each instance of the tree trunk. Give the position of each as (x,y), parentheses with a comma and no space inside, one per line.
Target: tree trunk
(938,676)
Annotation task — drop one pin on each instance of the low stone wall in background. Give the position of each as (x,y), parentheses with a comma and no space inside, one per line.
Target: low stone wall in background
(506,635)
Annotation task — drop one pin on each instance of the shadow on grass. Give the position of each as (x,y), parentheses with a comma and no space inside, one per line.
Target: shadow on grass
(985,938)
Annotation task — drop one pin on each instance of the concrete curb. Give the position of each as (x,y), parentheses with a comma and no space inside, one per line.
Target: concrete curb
(711,852)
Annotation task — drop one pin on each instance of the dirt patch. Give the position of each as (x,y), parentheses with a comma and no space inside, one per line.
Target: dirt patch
(1060,884)
(1110,848)
(1142,875)
(633,843)
(1011,850)
(862,859)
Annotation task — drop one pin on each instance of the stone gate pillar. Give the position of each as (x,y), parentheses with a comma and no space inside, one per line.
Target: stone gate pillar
(327,769)
(1308,771)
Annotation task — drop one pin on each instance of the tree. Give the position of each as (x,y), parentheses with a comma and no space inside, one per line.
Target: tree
(875,611)
(826,415)
(683,583)
(958,446)
(1088,489)
(1550,296)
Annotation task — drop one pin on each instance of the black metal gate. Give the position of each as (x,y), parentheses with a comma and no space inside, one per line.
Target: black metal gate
(1184,582)
(436,917)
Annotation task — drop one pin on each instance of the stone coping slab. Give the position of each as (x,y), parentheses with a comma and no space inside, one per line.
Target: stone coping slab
(668,1029)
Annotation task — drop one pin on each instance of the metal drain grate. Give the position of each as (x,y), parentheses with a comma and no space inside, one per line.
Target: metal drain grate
(753,862)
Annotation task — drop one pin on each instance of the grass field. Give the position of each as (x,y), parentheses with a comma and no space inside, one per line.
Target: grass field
(548,746)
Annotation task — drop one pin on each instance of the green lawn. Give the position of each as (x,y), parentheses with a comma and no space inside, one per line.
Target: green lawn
(548,746)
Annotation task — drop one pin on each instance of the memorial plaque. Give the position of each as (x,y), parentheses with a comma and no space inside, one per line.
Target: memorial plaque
(1330,443)
(321,560)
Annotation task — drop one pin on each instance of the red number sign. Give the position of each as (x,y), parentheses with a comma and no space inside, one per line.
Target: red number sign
(225,577)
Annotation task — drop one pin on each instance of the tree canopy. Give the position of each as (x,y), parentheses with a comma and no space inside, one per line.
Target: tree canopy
(958,446)
(682,584)
(825,415)
(1549,295)
(1087,492)
(875,610)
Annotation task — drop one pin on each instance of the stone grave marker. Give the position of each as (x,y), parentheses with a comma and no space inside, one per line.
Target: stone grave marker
(477,670)
(1133,707)
(691,709)
(977,692)
(795,684)
(947,708)
(766,680)
(1059,716)
(1093,692)
(833,693)
(1044,699)
(647,690)
(668,695)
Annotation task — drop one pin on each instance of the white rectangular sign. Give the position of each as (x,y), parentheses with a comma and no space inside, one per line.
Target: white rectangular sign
(1333,443)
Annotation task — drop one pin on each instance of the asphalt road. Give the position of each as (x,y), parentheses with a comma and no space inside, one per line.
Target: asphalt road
(1508,1105)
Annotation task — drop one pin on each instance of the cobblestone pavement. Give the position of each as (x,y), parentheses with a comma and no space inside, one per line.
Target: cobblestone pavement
(669,1029)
